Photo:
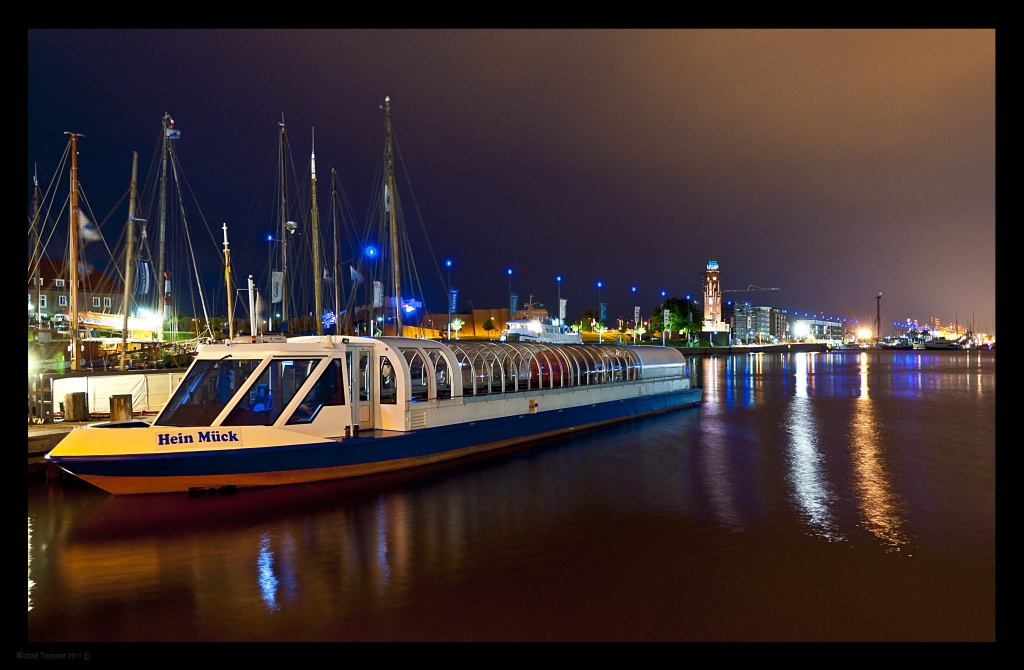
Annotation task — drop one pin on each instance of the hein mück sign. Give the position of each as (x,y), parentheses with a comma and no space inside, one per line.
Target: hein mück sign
(212,436)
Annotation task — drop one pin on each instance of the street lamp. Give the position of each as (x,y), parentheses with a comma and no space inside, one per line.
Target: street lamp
(635,324)
(510,315)
(558,280)
(448,263)
(664,321)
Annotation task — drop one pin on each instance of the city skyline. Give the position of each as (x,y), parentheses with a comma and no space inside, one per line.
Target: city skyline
(830,164)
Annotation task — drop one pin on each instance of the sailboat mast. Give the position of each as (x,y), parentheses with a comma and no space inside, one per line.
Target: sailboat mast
(128,262)
(337,276)
(391,205)
(316,247)
(284,234)
(161,308)
(227,282)
(37,250)
(76,363)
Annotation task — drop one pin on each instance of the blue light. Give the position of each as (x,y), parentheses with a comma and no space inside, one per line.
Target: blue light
(371,252)
(558,278)
(633,288)
(600,284)
(448,263)
(509,272)
(688,296)
(270,238)
(662,294)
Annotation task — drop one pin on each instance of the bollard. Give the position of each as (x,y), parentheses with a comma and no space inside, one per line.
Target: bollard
(76,407)
(121,407)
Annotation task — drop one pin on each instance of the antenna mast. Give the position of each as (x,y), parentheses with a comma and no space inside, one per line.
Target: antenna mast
(391,207)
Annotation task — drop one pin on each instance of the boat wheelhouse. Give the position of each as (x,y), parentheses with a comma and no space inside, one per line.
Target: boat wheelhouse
(315,408)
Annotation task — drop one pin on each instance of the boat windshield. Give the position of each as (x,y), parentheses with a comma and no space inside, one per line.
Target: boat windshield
(206,390)
(272,392)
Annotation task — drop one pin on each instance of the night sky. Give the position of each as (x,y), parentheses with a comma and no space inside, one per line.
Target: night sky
(830,164)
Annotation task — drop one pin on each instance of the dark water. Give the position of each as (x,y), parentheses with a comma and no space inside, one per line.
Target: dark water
(812,496)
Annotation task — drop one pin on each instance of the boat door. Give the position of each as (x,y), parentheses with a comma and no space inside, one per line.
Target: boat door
(360,377)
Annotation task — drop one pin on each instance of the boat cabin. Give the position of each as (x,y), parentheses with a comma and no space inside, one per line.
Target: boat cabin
(334,387)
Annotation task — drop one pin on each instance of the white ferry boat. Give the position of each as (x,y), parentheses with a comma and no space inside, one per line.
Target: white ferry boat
(539,330)
(316,408)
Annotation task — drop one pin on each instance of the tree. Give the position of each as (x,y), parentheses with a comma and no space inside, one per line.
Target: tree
(588,319)
(488,326)
(683,316)
(457,325)
(600,329)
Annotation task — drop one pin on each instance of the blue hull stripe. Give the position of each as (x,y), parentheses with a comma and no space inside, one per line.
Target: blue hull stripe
(355,451)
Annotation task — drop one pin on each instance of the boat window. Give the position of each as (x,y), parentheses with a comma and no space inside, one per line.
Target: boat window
(419,374)
(364,376)
(442,375)
(388,382)
(206,390)
(327,391)
(272,392)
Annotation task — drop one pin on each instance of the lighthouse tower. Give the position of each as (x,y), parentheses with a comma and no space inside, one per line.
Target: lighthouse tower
(713,300)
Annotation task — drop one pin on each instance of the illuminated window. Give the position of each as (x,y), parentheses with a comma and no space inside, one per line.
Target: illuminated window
(328,390)
(106,302)
(62,300)
(42,302)
(95,302)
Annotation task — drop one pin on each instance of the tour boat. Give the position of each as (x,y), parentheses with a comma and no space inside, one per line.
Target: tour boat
(325,407)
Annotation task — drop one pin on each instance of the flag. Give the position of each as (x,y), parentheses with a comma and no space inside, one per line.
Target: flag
(87,230)
(513,304)
(387,199)
(329,319)
(378,294)
(356,277)
(636,315)
(454,300)
(604,312)
(173,133)
(665,323)
(142,277)
(275,291)
(561,308)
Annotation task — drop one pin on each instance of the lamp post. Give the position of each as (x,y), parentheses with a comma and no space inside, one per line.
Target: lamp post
(511,315)
(449,264)
(558,281)
(664,321)
(632,289)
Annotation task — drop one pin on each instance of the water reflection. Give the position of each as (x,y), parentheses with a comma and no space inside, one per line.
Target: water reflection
(265,569)
(717,473)
(30,582)
(383,568)
(805,461)
(878,504)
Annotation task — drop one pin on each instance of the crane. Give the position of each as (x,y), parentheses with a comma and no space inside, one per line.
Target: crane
(745,290)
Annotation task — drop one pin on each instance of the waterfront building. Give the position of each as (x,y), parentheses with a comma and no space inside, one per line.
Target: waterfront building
(96,292)
(821,330)
(756,324)
(713,322)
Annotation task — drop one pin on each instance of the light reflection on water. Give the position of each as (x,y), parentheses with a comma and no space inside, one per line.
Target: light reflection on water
(265,573)
(651,526)
(807,474)
(878,504)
